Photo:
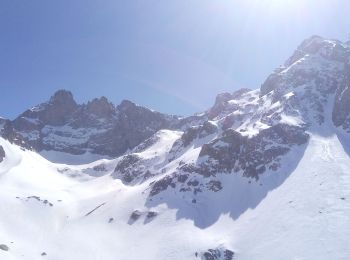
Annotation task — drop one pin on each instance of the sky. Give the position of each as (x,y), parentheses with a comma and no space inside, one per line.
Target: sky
(173,56)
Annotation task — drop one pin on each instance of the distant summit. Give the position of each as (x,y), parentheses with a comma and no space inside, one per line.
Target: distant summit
(98,127)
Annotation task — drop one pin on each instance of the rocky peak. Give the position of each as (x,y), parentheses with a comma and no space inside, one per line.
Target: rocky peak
(126,105)
(239,93)
(57,111)
(221,102)
(223,97)
(316,60)
(316,45)
(101,107)
(317,70)
(63,98)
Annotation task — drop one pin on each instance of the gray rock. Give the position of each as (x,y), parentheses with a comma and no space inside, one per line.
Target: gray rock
(2,154)
(151,214)
(4,247)
(221,102)
(341,111)
(129,168)
(134,217)
(217,254)
(162,185)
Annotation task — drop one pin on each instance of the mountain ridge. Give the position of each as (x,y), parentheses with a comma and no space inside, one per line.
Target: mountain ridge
(262,174)
(97,127)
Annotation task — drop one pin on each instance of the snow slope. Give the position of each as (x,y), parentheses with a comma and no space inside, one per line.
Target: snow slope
(305,218)
(30,227)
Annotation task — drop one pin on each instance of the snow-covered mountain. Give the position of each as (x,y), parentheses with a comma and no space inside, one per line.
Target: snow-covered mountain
(263,174)
(98,128)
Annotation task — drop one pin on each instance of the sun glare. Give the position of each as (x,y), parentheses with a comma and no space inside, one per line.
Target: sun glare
(282,4)
(281,8)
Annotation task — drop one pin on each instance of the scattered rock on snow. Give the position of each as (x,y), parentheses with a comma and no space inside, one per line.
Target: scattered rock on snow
(149,216)
(37,198)
(217,254)
(2,154)
(4,247)
(134,217)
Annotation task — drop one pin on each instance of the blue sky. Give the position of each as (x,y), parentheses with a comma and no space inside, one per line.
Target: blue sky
(173,56)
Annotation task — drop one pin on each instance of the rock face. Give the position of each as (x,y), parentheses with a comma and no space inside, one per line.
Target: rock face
(341,111)
(232,152)
(318,69)
(97,127)
(252,156)
(2,154)
(249,132)
(147,160)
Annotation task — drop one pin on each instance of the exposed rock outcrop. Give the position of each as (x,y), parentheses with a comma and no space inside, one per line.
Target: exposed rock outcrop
(216,254)
(2,154)
(4,247)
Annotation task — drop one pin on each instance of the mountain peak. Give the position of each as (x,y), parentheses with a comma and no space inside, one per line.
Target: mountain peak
(314,39)
(316,45)
(222,100)
(315,58)
(62,96)
(126,104)
(101,107)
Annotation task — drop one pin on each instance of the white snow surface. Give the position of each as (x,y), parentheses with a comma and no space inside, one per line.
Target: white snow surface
(306,217)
